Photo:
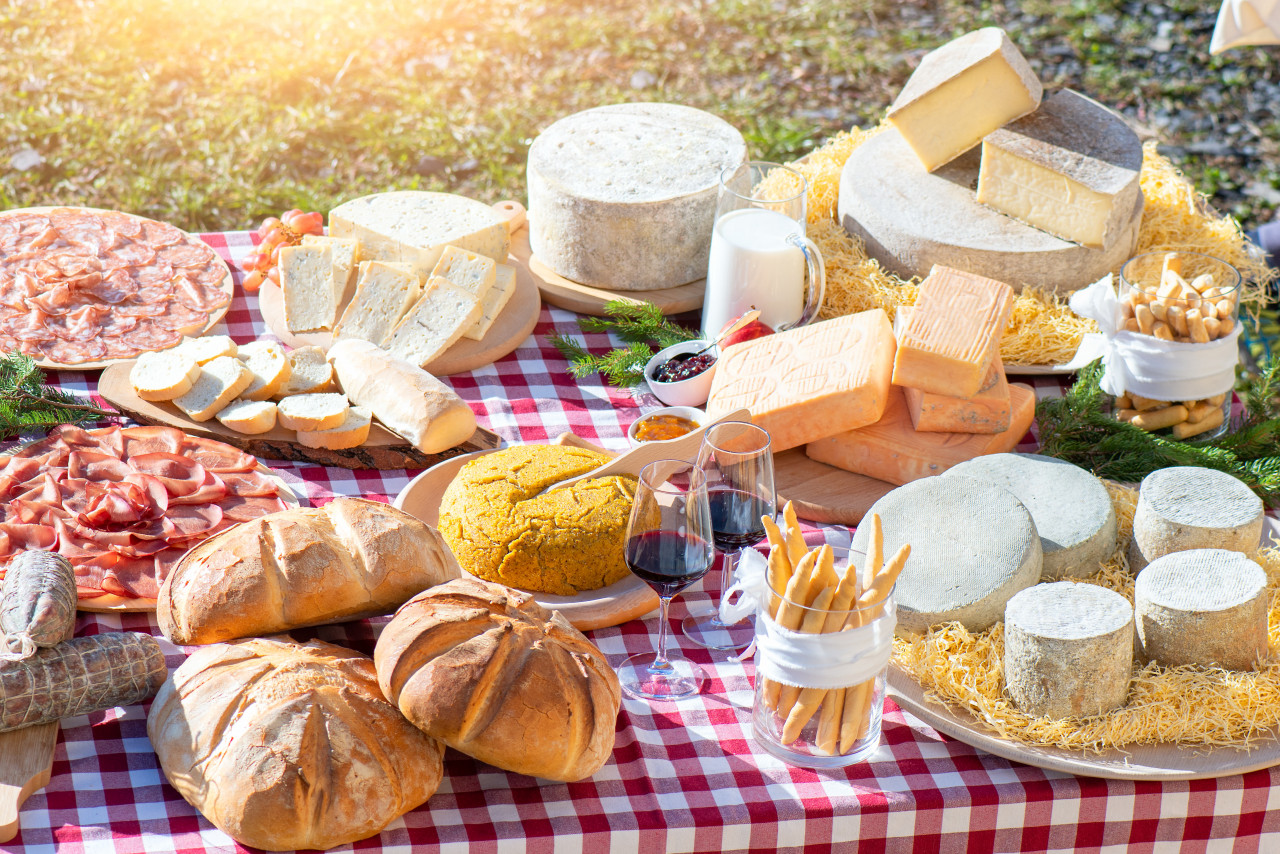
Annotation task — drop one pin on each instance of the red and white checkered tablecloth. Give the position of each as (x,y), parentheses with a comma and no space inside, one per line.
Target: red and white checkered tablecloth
(684,777)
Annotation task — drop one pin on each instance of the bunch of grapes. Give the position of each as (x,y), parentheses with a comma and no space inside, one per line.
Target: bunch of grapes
(262,263)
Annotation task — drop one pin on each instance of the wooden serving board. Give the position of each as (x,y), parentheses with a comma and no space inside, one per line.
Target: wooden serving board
(26,761)
(383,450)
(227,284)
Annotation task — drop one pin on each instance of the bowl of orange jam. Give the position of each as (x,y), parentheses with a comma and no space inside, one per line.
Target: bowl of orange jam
(671,422)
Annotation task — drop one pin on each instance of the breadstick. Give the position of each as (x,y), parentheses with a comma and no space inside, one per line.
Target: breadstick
(825,569)
(1145,319)
(1196,326)
(813,621)
(779,577)
(1190,428)
(1213,326)
(1200,411)
(1124,402)
(789,616)
(1144,403)
(1178,319)
(773,532)
(1171,264)
(885,579)
(1216,400)
(1163,331)
(1158,419)
(795,537)
(829,722)
(875,551)
(1202,282)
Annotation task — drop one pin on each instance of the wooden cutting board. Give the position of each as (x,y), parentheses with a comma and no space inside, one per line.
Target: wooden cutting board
(26,761)
(383,450)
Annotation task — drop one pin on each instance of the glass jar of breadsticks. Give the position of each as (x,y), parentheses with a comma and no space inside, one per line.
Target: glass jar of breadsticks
(822,650)
(1182,298)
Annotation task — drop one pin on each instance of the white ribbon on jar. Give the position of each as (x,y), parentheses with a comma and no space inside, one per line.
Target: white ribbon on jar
(803,659)
(1147,366)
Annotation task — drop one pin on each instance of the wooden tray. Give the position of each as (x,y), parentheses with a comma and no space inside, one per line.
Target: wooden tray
(1140,762)
(26,761)
(215,318)
(508,332)
(383,450)
(621,602)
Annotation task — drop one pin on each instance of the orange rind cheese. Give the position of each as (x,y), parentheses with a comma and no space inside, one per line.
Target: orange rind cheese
(988,411)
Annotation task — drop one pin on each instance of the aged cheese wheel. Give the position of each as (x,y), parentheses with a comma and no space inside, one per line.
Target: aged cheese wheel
(1203,606)
(1068,649)
(623,197)
(910,219)
(1186,507)
(1070,507)
(973,545)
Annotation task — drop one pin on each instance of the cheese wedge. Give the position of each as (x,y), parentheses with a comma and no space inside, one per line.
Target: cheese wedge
(988,411)
(434,324)
(494,301)
(953,333)
(306,278)
(346,255)
(467,270)
(961,92)
(385,292)
(808,382)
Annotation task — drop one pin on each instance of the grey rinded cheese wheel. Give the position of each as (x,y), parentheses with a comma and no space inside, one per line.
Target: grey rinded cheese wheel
(909,219)
(1068,649)
(1203,606)
(1186,507)
(1070,507)
(623,197)
(973,545)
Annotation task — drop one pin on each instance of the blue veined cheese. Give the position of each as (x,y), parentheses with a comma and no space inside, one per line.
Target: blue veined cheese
(384,292)
(414,227)
(494,301)
(306,279)
(439,318)
(1187,507)
(623,197)
(467,270)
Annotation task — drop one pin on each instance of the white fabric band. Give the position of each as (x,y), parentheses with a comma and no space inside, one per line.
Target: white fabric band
(1151,367)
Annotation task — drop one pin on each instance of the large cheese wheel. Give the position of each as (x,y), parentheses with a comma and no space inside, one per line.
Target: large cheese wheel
(623,197)
(1186,507)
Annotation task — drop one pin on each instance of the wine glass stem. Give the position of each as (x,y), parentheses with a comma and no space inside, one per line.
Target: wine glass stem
(661,663)
(726,579)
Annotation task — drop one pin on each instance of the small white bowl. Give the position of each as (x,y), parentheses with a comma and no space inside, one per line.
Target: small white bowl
(691,392)
(697,416)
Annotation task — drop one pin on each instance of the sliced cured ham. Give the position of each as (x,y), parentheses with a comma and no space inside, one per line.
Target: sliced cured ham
(150,440)
(180,475)
(217,457)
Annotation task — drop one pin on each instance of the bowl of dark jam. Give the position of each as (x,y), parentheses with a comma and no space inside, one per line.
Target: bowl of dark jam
(681,375)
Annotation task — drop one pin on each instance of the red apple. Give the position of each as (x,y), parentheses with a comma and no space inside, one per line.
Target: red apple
(750,330)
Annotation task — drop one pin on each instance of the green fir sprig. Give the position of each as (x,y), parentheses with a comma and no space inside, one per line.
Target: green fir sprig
(27,402)
(641,325)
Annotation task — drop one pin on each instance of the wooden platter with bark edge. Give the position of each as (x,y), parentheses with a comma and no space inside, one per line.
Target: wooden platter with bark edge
(26,761)
(215,317)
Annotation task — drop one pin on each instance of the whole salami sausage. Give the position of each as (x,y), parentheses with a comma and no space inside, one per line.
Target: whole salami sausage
(37,603)
(79,676)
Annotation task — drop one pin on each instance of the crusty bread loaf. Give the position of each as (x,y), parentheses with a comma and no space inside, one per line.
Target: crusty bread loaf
(349,559)
(487,670)
(285,745)
(406,399)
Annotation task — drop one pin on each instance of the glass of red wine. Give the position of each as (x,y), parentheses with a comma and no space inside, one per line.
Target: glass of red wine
(669,548)
(738,462)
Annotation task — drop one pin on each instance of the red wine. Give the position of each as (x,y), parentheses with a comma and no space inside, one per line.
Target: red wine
(668,562)
(735,518)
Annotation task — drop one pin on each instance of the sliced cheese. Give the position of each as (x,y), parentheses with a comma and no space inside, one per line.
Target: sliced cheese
(953,333)
(961,92)
(414,227)
(467,270)
(434,323)
(494,301)
(1186,507)
(1065,170)
(346,255)
(811,381)
(1068,649)
(893,451)
(220,381)
(972,548)
(1070,506)
(384,293)
(306,278)
(1203,606)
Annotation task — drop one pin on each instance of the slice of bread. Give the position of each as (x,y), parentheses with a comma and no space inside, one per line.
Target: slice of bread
(494,301)
(353,431)
(435,322)
(267,361)
(309,373)
(249,416)
(385,292)
(312,411)
(310,297)
(220,382)
(346,255)
(467,270)
(163,375)
(206,348)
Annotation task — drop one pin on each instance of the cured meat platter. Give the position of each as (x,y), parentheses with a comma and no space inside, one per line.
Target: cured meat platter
(82,288)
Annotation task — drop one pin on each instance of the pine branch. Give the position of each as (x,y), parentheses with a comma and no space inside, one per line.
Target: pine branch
(26,401)
(642,326)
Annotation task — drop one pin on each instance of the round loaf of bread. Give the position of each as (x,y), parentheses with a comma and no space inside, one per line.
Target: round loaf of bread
(489,671)
(563,542)
(285,745)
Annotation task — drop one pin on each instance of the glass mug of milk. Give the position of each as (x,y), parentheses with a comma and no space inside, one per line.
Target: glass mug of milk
(760,255)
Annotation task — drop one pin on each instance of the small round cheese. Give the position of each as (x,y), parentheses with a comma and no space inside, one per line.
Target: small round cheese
(623,197)
(973,546)
(1068,649)
(1070,507)
(1203,606)
(1185,507)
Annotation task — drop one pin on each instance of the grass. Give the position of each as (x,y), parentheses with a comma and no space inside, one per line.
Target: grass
(213,114)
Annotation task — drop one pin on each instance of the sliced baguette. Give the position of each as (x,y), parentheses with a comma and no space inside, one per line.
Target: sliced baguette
(207,347)
(163,375)
(249,416)
(353,431)
(267,361)
(346,255)
(312,411)
(220,382)
(494,301)
(434,324)
(384,293)
(306,279)
(309,373)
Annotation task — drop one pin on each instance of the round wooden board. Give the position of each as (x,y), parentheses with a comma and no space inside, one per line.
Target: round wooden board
(512,327)
(584,299)
(621,602)
(1139,762)
(228,285)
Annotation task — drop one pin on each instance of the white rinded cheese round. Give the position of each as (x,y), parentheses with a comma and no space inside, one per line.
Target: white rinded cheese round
(1204,606)
(1068,649)
(973,545)
(623,197)
(1070,507)
(1185,507)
